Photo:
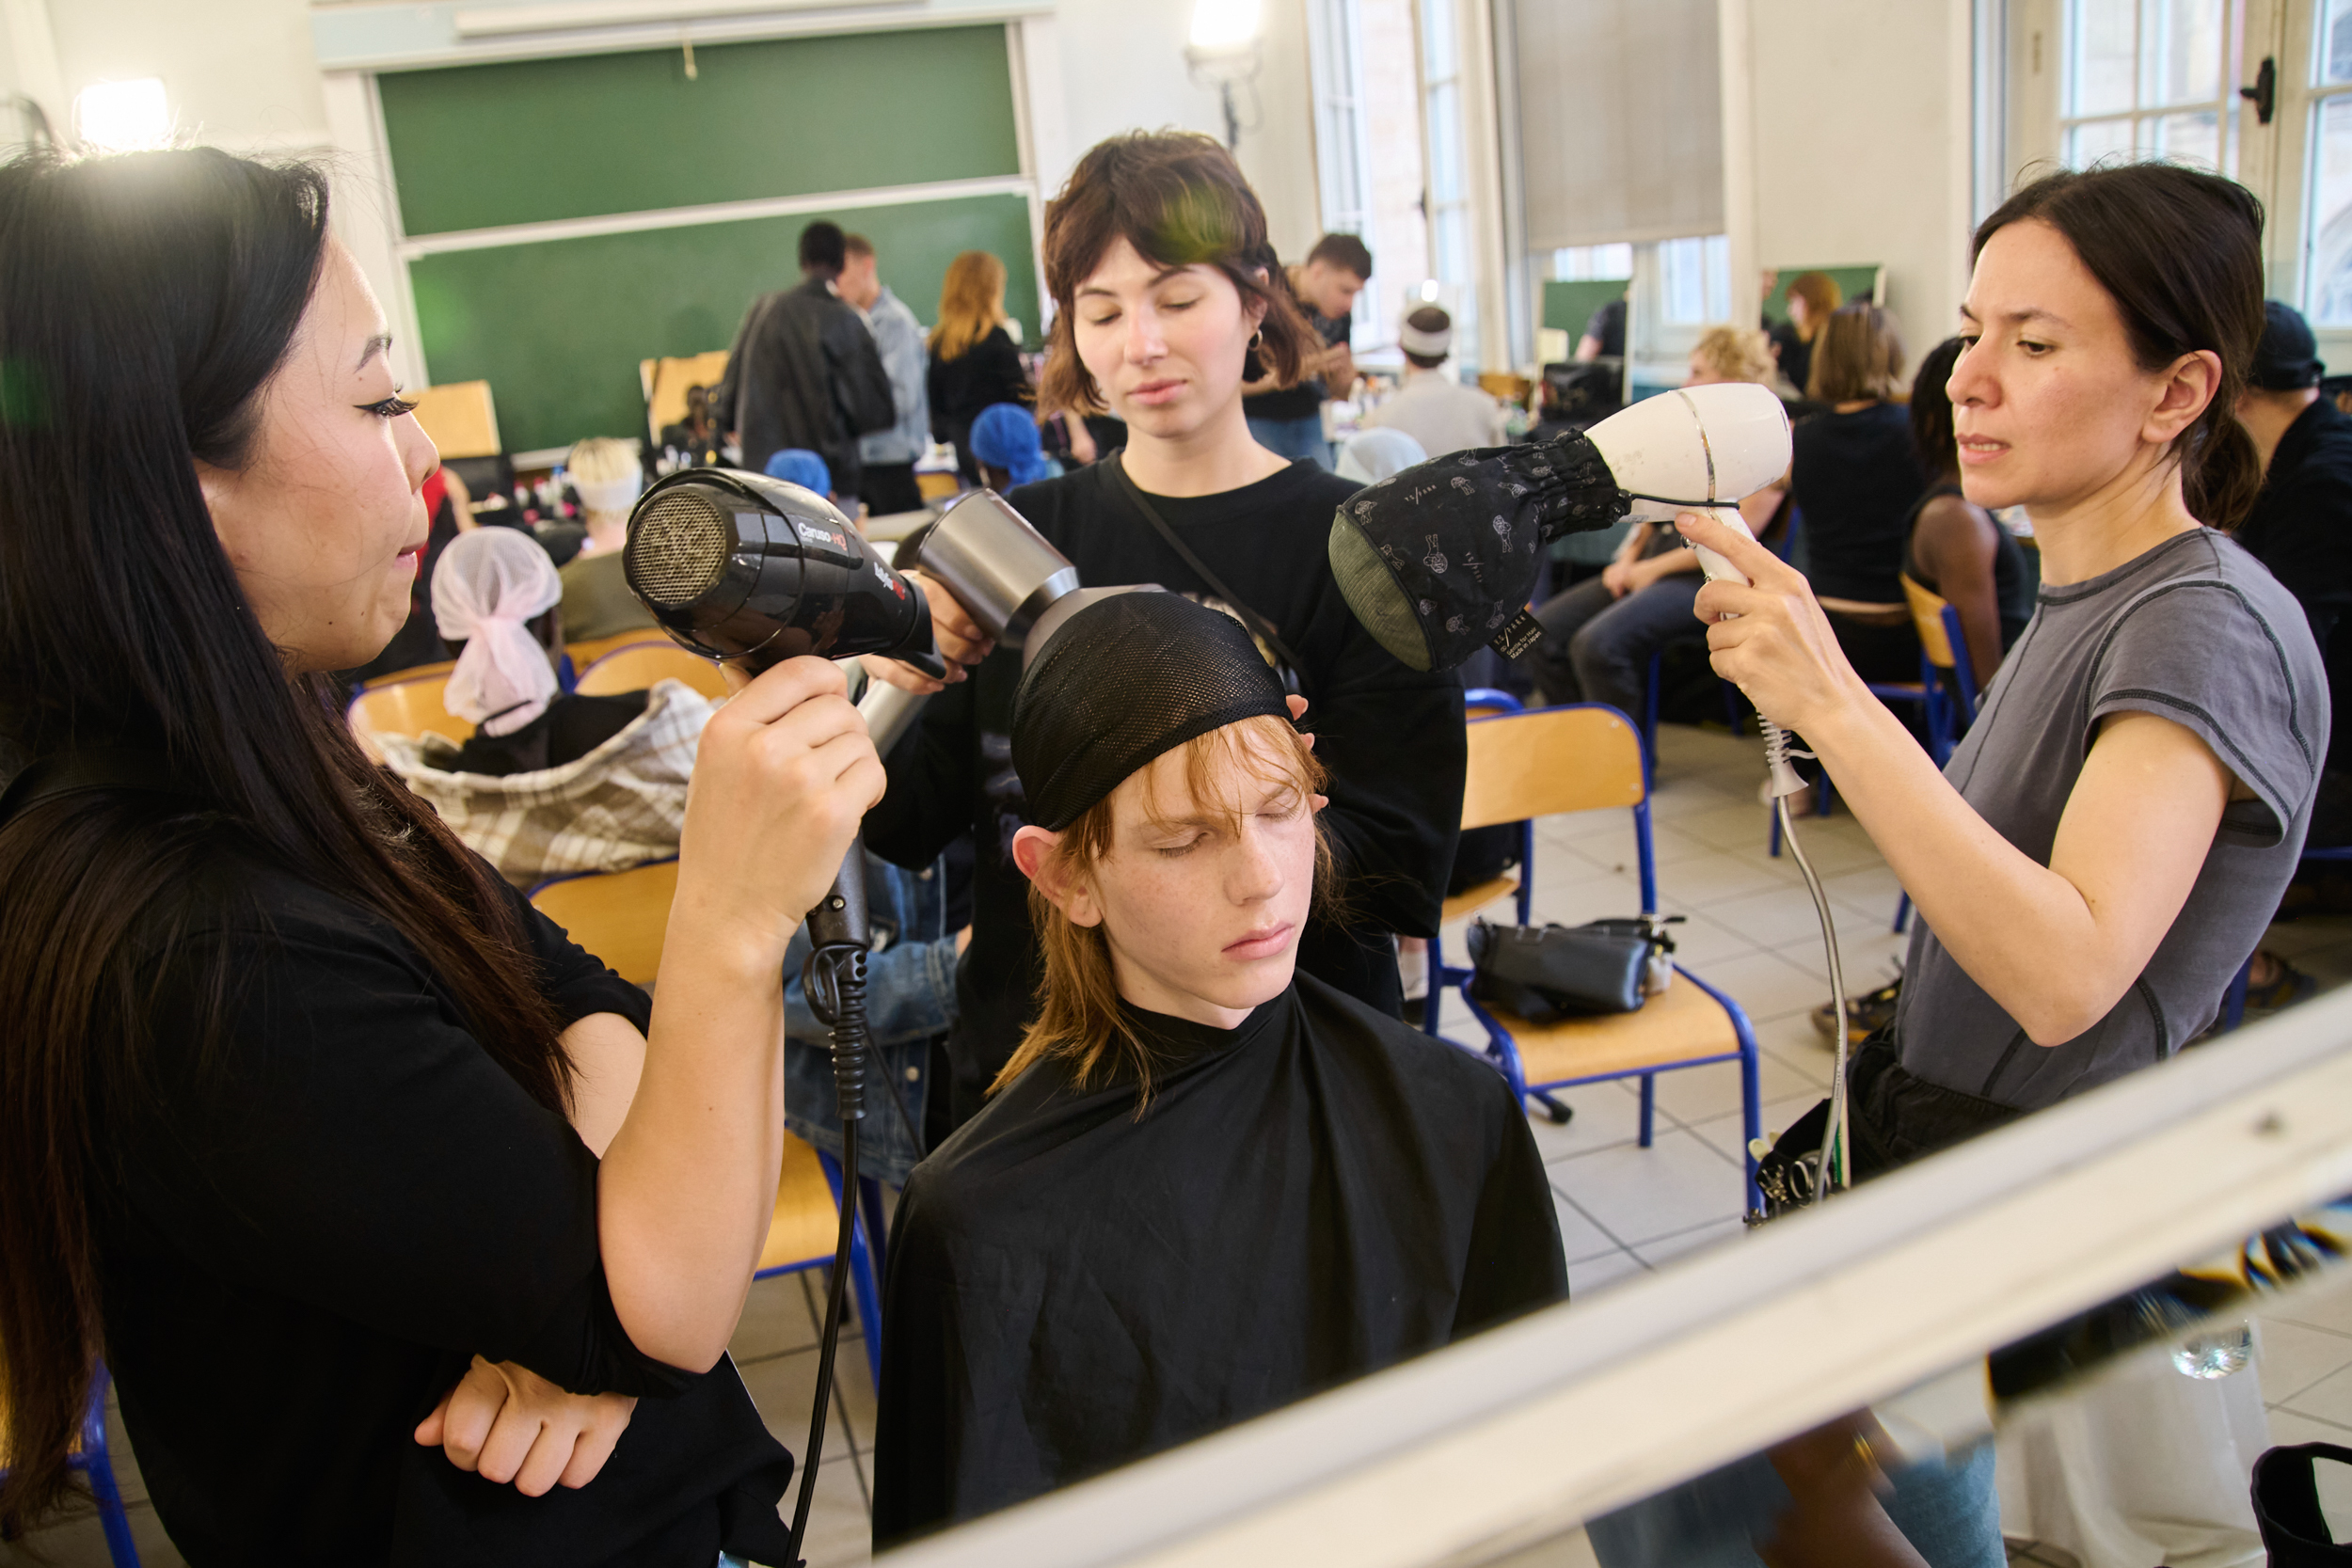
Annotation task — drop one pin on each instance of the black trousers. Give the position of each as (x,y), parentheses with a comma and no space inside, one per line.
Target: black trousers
(889,487)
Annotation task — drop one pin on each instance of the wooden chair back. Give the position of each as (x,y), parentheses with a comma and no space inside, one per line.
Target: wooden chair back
(666,382)
(619,916)
(408,706)
(1552,760)
(638,665)
(586,653)
(461,418)
(1926,615)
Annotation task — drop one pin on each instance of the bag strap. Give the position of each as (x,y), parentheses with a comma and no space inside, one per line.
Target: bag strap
(1258,626)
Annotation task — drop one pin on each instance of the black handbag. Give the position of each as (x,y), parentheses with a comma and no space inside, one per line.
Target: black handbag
(2286,1507)
(1545,973)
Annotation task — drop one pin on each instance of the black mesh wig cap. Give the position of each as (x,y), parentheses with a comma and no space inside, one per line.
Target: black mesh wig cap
(1437,560)
(1121,682)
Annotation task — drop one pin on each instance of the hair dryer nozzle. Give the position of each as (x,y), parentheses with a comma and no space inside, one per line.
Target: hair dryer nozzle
(741,566)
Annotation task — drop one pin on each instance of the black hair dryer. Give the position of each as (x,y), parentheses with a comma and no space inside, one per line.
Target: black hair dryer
(742,567)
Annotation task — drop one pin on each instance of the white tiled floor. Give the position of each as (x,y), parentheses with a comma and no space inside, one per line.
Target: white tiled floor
(1623,1210)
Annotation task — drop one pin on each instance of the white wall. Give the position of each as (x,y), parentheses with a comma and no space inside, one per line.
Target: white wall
(1859,147)
(1123,69)
(239,72)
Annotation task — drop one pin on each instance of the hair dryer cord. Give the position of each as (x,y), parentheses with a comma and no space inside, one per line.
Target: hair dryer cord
(1837,1147)
(834,979)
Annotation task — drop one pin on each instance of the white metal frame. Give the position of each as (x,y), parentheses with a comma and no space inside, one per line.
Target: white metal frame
(1520,1433)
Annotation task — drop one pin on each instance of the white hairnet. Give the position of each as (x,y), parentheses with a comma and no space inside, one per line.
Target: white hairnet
(489,584)
(1371,457)
(612,495)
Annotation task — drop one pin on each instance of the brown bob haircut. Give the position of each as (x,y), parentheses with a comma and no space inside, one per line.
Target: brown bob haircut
(2180,252)
(1857,354)
(1181,201)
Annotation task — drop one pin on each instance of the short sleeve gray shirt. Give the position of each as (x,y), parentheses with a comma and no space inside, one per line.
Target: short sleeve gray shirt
(2194,630)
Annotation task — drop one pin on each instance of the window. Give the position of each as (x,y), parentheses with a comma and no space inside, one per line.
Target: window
(1343,139)
(2151,78)
(1451,259)
(2327,221)
(1592,261)
(1695,281)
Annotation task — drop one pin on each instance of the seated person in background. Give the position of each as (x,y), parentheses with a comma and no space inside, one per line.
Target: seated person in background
(1604,334)
(548,783)
(694,440)
(1205,1186)
(1431,406)
(1599,635)
(597,600)
(1372,455)
(975,363)
(798,466)
(2301,523)
(1854,474)
(1006,447)
(1952,546)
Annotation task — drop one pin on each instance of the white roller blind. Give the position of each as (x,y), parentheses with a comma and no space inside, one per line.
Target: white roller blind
(1621,120)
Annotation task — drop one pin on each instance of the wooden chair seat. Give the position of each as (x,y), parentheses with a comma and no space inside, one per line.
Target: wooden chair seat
(407,708)
(1684,1024)
(639,665)
(620,917)
(806,1223)
(1477,898)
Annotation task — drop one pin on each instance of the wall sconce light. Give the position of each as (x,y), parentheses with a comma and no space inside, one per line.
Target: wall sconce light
(1224,52)
(123,116)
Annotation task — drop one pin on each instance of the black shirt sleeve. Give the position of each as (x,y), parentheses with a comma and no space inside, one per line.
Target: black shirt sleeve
(349,1144)
(1516,1264)
(861,385)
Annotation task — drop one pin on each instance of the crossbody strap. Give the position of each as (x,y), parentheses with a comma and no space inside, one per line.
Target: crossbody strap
(1258,626)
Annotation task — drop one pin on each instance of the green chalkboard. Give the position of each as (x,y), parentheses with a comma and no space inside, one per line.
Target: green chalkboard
(557,328)
(1853,283)
(1567,306)
(527,141)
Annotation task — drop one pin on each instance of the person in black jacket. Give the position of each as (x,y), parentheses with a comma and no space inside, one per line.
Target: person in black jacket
(973,363)
(292,1080)
(2301,523)
(803,370)
(1159,334)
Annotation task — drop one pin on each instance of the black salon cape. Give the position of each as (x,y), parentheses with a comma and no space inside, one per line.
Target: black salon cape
(1316,1195)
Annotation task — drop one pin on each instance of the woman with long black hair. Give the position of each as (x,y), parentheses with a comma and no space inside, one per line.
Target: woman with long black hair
(319,1135)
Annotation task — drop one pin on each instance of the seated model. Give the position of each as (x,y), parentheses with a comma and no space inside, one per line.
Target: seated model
(1205,1186)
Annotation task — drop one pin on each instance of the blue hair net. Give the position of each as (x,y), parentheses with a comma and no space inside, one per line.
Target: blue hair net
(800,466)
(1005,436)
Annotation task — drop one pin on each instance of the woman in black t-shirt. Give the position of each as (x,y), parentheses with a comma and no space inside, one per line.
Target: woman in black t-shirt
(1154,252)
(305,1118)
(974,364)
(1854,474)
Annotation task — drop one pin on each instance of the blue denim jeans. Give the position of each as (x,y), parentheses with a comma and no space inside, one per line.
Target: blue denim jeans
(1949,1513)
(1596,649)
(910,997)
(1294,438)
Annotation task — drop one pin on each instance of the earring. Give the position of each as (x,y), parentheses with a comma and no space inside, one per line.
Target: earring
(1257,338)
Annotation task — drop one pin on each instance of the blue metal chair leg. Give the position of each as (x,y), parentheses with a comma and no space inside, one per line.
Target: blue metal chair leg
(1558,1110)
(1649,1106)
(1903,914)
(1649,722)
(96,1460)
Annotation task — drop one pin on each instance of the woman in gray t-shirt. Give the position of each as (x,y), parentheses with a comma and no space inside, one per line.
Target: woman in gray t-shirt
(2106,846)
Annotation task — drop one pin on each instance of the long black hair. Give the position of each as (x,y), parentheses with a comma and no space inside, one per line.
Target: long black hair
(145,300)
(1931,428)
(2180,252)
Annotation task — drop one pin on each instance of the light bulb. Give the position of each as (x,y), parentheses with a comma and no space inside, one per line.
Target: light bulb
(1224,24)
(124,117)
